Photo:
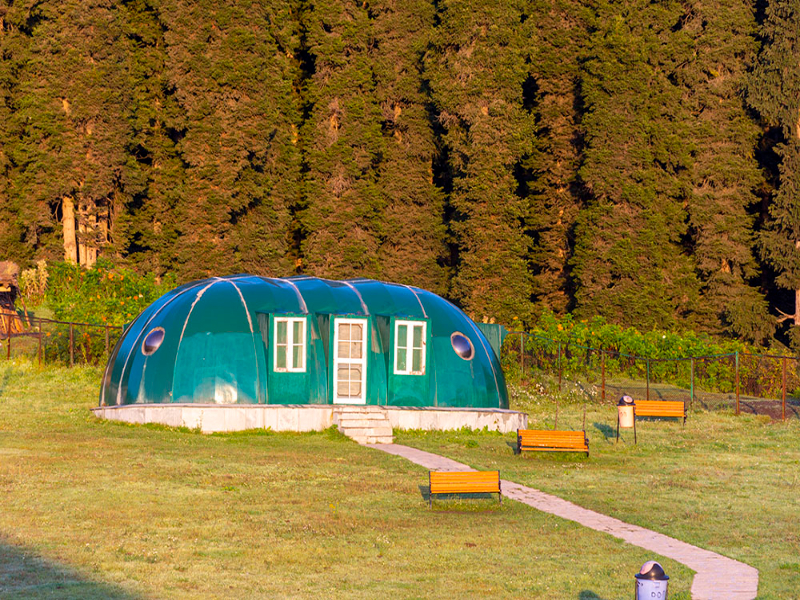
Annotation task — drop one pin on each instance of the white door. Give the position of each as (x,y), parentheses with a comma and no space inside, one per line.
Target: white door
(349,361)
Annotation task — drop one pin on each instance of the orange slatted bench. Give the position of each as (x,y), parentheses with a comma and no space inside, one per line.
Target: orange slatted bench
(464,482)
(660,408)
(547,440)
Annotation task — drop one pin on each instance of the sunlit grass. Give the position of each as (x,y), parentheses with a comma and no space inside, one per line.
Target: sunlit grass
(98,509)
(725,483)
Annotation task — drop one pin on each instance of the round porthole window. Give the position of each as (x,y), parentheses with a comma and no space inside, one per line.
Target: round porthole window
(462,345)
(152,341)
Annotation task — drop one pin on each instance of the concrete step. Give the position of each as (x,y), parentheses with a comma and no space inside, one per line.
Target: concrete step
(373,439)
(377,422)
(350,408)
(364,424)
(357,431)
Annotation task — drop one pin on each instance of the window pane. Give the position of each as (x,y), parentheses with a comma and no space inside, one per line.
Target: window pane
(297,356)
(355,349)
(401,359)
(355,332)
(344,332)
(280,357)
(416,360)
(402,336)
(355,381)
(344,349)
(343,385)
(298,331)
(418,336)
(280,331)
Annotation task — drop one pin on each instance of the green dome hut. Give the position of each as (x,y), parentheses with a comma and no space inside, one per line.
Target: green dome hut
(305,341)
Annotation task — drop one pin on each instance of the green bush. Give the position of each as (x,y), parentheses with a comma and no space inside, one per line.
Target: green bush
(104,294)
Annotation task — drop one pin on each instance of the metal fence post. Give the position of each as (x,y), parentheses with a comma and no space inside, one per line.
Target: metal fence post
(691,384)
(106,340)
(559,366)
(603,371)
(783,391)
(736,358)
(39,349)
(71,347)
(647,361)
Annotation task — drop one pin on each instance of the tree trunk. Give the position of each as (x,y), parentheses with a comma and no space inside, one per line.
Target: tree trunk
(90,243)
(68,227)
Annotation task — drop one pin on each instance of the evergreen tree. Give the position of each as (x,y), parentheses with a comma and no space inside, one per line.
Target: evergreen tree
(11,234)
(343,144)
(629,264)
(233,66)
(153,180)
(725,173)
(478,70)
(559,30)
(70,121)
(774,91)
(412,248)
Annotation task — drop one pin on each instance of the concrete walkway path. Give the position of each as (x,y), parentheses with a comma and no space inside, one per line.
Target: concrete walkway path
(716,577)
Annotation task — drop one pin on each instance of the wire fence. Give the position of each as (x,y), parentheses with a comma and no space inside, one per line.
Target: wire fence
(760,384)
(751,383)
(50,341)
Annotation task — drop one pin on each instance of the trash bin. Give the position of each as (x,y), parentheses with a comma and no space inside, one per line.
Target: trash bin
(651,582)
(625,410)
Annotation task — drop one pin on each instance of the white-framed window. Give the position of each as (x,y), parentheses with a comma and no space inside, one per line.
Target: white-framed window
(289,347)
(409,347)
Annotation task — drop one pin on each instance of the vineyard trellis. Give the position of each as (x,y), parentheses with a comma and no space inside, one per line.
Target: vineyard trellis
(712,379)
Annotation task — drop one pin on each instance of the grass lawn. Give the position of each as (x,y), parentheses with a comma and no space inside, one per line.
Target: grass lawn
(725,483)
(94,509)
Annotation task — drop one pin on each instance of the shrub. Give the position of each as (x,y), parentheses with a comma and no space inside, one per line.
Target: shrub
(103,294)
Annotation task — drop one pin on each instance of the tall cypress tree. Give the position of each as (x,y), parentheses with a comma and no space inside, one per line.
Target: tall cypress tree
(774,91)
(629,263)
(70,117)
(478,71)
(233,67)
(343,144)
(559,31)
(11,233)
(153,180)
(725,173)
(412,249)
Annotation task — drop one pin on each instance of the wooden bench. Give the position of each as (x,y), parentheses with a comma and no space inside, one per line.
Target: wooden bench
(660,408)
(464,482)
(547,440)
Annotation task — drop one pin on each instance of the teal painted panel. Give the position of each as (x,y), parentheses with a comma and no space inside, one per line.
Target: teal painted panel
(409,389)
(495,334)
(287,387)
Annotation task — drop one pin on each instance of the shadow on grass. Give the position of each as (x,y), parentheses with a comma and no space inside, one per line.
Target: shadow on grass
(589,595)
(607,431)
(23,574)
(425,491)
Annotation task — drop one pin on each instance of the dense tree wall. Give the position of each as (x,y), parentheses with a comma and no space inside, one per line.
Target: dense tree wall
(631,159)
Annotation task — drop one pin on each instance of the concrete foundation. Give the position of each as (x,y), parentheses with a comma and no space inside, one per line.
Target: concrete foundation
(210,418)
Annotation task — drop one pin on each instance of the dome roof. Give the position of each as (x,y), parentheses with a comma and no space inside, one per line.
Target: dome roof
(208,342)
